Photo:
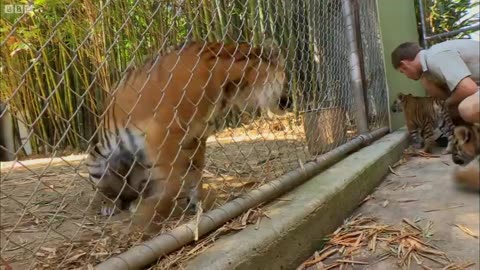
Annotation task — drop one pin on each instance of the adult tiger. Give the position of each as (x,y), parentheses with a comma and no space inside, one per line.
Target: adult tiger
(153,138)
(424,116)
(466,152)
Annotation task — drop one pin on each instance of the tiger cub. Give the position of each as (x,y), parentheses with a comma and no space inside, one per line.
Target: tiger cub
(424,117)
(466,153)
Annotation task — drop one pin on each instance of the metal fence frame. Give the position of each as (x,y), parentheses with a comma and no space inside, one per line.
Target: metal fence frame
(425,38)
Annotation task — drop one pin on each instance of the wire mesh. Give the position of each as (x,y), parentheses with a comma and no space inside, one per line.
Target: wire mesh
(374,83)
(62,60)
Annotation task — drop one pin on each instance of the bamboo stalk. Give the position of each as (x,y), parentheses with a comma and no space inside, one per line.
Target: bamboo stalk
(126,30)
(220,10)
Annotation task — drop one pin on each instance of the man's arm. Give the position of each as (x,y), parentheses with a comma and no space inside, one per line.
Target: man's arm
(465,88)
(450,68)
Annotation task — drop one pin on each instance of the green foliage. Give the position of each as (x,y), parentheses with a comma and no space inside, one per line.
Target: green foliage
(447,15)
(62,59)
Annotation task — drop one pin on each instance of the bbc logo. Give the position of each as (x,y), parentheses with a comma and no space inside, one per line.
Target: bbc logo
(18,9)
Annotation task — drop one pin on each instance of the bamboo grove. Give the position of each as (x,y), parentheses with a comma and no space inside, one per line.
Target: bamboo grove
(60,59)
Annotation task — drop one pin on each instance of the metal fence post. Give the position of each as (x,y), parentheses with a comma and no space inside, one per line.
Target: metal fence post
(422,23)
(355,71)
(6,134)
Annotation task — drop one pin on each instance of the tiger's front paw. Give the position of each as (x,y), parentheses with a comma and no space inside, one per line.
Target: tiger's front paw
(193,206)
(109,209)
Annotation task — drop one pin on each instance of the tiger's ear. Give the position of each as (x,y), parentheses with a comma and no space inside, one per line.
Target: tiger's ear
(463,134)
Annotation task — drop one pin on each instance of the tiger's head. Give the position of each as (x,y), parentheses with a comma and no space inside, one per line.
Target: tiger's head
(117,175)
(399,102)
(466,143)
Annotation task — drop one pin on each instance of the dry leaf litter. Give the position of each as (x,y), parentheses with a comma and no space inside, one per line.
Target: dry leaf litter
(361,235)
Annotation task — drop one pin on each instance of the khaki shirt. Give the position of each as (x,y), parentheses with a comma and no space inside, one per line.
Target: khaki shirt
(449,62)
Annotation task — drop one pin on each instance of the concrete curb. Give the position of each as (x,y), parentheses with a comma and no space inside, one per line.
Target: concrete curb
(300,219)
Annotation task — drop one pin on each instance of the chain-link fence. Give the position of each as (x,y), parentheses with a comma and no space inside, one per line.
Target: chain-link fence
(60,64)
(374,80)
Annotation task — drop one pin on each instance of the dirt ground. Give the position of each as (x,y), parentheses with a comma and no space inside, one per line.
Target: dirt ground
(48,217)
(420,201)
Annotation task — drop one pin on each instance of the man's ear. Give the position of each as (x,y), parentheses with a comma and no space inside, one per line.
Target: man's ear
(403,64)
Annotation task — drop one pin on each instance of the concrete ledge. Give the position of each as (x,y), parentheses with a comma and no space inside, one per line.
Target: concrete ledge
(300,219)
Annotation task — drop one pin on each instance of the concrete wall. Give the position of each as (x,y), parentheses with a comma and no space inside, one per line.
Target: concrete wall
(398,24)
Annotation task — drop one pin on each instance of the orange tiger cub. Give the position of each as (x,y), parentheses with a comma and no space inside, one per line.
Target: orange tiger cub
(424,117)
(466,154)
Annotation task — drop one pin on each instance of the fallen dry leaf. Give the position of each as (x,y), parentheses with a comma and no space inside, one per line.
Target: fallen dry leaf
(75,257)
(373,243)
(352,262)
(319,265)
(440,209)
(407,200)
(420,154)
(320,258)
(392,171)
(466,230)
(385,203)
(49,250)
(406,243)
(400,162)
(412,224)
(328,267)
(369,197)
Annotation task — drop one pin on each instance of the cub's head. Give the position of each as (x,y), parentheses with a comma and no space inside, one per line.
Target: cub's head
(466,143)
(397,105)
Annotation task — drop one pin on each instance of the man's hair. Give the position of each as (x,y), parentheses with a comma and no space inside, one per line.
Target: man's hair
(405,51)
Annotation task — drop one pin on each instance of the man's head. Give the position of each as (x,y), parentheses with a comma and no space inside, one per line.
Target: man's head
(405,59)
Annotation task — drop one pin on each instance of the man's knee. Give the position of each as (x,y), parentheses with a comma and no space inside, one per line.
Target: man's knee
(469,108)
